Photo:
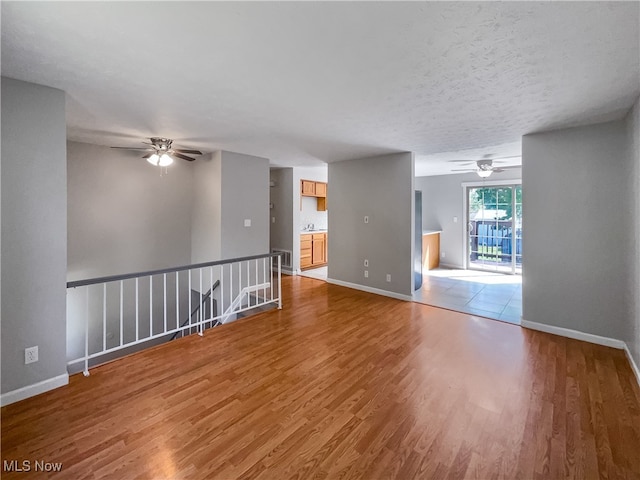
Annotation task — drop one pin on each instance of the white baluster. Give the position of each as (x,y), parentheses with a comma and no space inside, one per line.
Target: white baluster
(86,335)
(137,312)
(121,312)
(104,316)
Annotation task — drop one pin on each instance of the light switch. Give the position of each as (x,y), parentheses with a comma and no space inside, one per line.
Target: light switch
(366,219)
(273,219)
(247,222)
(455,219)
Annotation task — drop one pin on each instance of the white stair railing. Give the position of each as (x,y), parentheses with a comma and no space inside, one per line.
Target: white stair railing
(109,316)
(236,305)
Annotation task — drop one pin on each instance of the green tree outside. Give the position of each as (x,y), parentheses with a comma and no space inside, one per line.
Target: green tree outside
(496,198)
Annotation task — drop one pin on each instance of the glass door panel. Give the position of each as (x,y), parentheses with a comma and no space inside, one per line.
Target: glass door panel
(495,228)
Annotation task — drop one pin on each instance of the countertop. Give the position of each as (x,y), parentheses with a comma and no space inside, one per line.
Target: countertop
(430,232)
(313,231)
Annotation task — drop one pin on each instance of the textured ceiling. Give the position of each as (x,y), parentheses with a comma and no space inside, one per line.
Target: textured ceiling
(312,82)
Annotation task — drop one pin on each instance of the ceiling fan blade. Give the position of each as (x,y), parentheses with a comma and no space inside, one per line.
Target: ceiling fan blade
(148,155)
(134,148)
(182,150)
(183,157)
(464,170)
(484,159)
(509,166)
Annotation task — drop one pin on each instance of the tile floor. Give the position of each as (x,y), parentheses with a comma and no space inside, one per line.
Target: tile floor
(490,295)
(317,273)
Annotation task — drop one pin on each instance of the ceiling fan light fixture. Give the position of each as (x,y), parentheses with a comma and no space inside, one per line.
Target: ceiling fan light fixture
(484,173)
(154,159)
(165,160)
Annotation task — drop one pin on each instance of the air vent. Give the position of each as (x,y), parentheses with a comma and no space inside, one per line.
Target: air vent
(286,257)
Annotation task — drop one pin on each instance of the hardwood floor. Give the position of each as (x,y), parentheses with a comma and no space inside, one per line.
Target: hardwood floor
(342,384)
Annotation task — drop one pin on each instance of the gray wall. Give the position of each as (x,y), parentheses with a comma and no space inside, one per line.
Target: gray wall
(123,216)
(206,216)
(381,188)
(245,195)
(632,336)
(34,232)
(442,199)
(281,196)
(575,211)
(229,188)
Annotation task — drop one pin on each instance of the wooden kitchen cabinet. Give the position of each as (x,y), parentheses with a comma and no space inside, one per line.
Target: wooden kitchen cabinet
(430,250)
(306,244)
(313,250)
(319,249)
(308,188)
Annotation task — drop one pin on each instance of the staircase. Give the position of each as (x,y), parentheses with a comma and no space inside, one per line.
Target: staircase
(108,317)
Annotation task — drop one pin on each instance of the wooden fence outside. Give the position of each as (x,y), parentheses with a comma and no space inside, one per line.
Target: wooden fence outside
(492,240)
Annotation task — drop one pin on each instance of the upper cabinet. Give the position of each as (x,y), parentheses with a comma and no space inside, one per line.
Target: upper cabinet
(311,188)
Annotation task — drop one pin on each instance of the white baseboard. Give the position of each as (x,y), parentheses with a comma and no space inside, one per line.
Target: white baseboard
(586,337)
(634,365)
(377,291)
(33,390)
(451,266)
(575,334)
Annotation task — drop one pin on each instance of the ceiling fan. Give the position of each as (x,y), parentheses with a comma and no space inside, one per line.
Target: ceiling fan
(484,166)
(161,152)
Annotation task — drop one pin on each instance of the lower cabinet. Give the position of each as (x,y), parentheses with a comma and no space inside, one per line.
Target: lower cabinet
(306,255)
(313,250)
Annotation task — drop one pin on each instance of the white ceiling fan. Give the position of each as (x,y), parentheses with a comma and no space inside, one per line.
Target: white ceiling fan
(484,167)
(162,152)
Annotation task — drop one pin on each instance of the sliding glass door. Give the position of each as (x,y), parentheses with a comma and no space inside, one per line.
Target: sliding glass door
(494,228)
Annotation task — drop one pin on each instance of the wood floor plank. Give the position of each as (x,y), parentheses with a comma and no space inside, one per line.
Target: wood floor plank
(342,384)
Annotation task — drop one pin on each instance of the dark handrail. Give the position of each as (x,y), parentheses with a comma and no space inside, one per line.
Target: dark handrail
(203,300)
(127,276)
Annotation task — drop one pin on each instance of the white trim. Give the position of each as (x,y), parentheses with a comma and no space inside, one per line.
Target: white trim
(451,266)
(634,365)
(465,214)
(575,334)
(491,183)
(377,291)
(33,390)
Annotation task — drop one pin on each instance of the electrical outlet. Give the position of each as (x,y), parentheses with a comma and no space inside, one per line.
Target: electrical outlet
(30,355)
(247,222)
(455,219)
(443,254)
(366,274)
(388,277)
(366,262)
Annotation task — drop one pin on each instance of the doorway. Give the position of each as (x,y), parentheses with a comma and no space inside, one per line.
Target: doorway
(494,227)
